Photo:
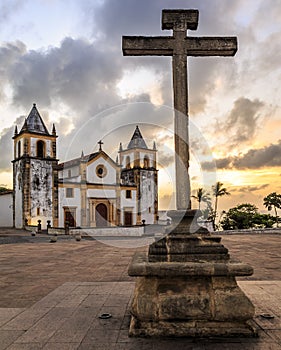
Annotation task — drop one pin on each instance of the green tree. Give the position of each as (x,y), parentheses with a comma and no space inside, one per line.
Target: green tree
(245,216)
(201,196)
(4,189)
(273,200)
(218,191)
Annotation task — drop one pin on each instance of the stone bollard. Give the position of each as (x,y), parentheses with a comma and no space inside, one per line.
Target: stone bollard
(39,227)
(53,238)
(78,237)
(67,228)
(48,225)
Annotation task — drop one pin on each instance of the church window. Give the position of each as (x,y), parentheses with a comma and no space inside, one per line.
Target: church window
(149,210)
(128,165)
(149,187)
(101,170)
(146,162)
(69,173)
(128,194)
(40,149)
(38,211)
(19,149)
(69,193)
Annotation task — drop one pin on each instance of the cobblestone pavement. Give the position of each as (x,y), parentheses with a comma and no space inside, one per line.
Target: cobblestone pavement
(51,295)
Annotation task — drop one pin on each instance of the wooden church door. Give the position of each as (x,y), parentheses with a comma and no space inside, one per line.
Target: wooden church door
(101,215)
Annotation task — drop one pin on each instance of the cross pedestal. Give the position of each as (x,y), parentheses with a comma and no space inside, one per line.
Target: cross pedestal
(186,287)
(186,284)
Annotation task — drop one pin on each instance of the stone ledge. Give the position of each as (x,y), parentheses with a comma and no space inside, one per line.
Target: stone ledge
(140,266)
(192,329)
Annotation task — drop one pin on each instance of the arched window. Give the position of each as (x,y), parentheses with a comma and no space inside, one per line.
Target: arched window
(128,166)
(146,162)
(40,150)
(19,149)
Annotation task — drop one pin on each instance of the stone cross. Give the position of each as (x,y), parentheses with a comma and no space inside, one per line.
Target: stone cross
(100,145)
(179,46)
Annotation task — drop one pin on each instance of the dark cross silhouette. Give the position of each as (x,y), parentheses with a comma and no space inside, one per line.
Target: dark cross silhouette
(179,46)
(100,144)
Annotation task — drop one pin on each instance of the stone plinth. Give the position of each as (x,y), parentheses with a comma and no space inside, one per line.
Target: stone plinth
(186,286)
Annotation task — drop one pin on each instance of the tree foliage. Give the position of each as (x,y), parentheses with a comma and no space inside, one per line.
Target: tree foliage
(218,191)
(201,196)
(4,189)
(245,216)
(273,200)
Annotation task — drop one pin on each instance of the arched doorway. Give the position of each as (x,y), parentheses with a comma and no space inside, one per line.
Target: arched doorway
(101,215)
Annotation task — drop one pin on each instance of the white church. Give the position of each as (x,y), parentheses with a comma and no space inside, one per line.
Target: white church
(89,191)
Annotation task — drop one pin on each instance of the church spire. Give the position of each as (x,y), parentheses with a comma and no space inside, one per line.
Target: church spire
(16,131)
(137,140)
(34,122)
(54,132)
(25,127)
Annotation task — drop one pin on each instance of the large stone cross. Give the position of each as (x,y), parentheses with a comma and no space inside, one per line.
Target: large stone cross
(179,46)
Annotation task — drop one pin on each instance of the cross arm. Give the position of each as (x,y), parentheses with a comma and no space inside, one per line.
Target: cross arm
(147,46)
(211,46)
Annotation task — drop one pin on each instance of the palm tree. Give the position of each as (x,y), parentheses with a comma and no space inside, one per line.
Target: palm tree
(201,196)
(218,191)
(273,200)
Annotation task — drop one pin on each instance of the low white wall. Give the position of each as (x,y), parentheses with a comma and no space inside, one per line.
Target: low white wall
(276,230)
(6,210)
(110,231)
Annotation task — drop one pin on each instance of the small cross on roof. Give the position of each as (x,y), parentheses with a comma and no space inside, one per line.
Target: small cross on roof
(100,144)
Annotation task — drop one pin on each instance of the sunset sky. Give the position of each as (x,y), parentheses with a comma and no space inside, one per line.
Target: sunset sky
(66,57)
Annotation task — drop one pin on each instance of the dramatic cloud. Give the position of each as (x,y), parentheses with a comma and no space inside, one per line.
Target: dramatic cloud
(242,121)
(8,9)
(77,73)
(110,21)
(247,189)
(76,81)
(269,156)
(6,146)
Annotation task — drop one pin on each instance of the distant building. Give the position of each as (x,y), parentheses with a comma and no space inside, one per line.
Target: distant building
(90,191)
(6,208)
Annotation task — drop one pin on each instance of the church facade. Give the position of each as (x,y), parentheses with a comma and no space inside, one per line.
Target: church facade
(89,191)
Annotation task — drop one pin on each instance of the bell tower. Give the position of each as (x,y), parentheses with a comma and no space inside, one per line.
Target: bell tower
(35,175)
(139,168)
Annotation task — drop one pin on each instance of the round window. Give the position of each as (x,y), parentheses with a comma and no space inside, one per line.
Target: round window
(101,170)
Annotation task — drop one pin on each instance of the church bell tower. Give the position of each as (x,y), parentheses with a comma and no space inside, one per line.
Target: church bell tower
(35,175)
(139,168)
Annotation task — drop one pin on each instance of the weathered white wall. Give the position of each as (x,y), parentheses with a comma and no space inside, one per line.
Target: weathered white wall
(148,155)
(124,158)
(75,172)
(6,210)
(128,203)
(18,194)
(75,201)
(33,142)
(148,193)
(109,178)
(101,193)
(41,187)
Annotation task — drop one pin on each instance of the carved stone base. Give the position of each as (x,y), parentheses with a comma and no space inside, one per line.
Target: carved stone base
(186,286)
(188,299)
(190,329)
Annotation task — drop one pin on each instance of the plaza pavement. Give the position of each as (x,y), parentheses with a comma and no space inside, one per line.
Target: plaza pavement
(52,294)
